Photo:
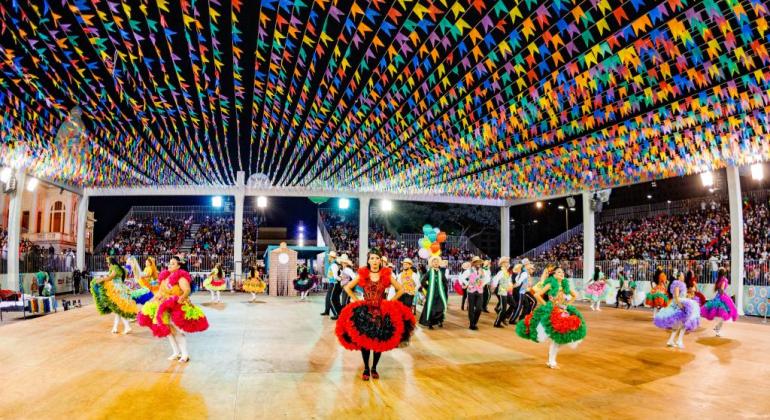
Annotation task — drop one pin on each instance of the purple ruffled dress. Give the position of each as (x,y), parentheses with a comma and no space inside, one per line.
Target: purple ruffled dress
(674,317)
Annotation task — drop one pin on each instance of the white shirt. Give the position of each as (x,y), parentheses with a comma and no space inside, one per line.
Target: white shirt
(522,280)
(349,273)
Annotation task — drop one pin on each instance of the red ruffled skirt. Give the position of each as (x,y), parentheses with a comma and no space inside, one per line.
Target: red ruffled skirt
(377,328)
(159,317)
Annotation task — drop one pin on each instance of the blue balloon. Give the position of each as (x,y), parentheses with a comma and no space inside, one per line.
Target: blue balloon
(427,229)
(437,230)
(432,237)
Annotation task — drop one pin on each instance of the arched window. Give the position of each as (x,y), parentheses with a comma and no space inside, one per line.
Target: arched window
(56,221)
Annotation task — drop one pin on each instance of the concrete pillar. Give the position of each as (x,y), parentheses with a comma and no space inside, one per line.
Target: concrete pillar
(80,253)
(363,230)
(240,181)
(589,237)
(33,210)
(3,220)
(505,231)
(238,236)
(736,234)
(14,231)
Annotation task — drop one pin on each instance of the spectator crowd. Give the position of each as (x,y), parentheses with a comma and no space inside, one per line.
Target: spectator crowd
(698,234)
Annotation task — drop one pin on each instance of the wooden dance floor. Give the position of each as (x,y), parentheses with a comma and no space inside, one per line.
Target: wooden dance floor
(279,358)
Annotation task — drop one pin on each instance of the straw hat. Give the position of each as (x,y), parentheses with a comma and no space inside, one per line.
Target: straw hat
(332,254)
(505,260)
(407,261)
(466,265)
(476,259)
(434,257)
(344,260)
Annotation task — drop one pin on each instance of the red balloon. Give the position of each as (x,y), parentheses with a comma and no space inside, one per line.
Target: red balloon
(441,238)
(435,247)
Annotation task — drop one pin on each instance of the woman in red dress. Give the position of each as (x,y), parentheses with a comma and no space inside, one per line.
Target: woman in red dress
(374,324)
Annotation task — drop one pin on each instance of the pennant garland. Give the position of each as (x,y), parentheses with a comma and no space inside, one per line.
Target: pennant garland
(493,99)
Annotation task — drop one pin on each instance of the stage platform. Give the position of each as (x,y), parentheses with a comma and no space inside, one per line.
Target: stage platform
(279,359)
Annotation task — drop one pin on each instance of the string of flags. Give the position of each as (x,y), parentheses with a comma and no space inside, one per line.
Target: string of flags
(493,99)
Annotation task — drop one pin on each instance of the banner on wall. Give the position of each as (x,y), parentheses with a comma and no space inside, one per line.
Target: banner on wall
(755,300)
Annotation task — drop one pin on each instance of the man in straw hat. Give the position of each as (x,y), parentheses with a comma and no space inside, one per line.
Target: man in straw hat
(410,282)
(504,285)
(474,280)
(331,276)
(433,281)
(346,276)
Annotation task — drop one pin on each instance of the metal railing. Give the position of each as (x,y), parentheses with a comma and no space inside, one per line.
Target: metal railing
(194,262)
(560,239)
(657,209)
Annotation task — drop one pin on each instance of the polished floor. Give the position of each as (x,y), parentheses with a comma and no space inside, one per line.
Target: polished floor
(278,359)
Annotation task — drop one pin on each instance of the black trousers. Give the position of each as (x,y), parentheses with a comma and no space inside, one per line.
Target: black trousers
(525,305)
(407,300)
(465,298)
(335,299)
(328,299)
(503,311)
(487,296)
(475,301)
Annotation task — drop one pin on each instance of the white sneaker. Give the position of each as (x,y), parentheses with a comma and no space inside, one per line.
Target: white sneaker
(552,365)
(127,331)
(174,356)
(680,344)
(115,331)
(184,359)
(598,309)
(670,343)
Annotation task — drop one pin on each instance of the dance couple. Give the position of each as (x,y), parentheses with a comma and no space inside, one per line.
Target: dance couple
(374,324)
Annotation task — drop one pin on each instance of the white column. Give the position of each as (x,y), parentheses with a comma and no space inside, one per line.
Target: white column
(14,231)
(505,231)
(33,211)
(363,230)
(238,236)
(240,181)
(589,238)
(3,220)
(80,253)
(736,234)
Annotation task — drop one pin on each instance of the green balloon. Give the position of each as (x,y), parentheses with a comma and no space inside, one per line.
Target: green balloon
(318,200)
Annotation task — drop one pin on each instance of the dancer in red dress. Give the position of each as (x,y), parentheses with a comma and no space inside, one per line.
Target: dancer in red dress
(374,324)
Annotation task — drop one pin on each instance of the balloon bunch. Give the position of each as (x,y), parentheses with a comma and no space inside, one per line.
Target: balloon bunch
(430,244)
